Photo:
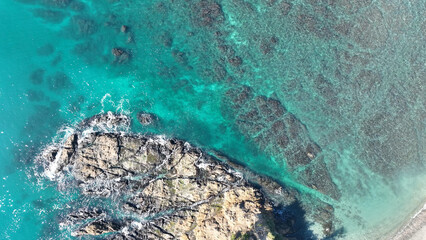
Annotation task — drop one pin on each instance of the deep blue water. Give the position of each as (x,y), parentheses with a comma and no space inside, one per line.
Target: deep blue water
(352,74)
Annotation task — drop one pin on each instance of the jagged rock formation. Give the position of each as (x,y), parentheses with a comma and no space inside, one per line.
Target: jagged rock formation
(165,189)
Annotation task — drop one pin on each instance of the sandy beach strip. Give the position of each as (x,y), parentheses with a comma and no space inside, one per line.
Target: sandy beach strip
(415,229)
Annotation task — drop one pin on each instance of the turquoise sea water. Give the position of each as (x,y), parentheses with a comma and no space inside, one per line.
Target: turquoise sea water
(352,74)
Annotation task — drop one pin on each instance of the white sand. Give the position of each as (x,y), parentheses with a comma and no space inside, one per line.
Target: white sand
(415,229)
(419,235)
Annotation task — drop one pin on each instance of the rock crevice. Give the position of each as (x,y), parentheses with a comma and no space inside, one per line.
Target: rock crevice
(164,189)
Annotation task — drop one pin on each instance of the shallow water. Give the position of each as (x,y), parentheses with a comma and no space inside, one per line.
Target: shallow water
(350,77)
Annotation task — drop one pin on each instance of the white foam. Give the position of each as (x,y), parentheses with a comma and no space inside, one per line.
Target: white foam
(137,225)
(103,100)
(119,106)
(161,139)
(203,165)
(52,169)
(418,212)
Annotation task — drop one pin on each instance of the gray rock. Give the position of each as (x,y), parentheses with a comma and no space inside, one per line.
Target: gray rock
(96,228)
(146,118)
(171,189)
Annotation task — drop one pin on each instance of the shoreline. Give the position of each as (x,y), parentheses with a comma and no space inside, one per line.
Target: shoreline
(414,228)
(411,227)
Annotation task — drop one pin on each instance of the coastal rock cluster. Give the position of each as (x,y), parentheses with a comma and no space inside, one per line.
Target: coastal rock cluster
(165,189)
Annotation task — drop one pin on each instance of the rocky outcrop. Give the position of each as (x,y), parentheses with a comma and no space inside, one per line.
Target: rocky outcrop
(165,189)
(146,118)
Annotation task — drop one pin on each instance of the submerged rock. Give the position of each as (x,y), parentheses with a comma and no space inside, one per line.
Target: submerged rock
(49,15)
(171,189)
(207,13)
(59,81)
(268,123)
(77,6)
(83,26)
(146,118)
(35,95)
(37,76)
(57,3)
(46,50)
(121,55)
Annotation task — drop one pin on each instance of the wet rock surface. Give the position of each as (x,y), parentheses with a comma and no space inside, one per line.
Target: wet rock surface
(105,121)
(165,189)
(146,119)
